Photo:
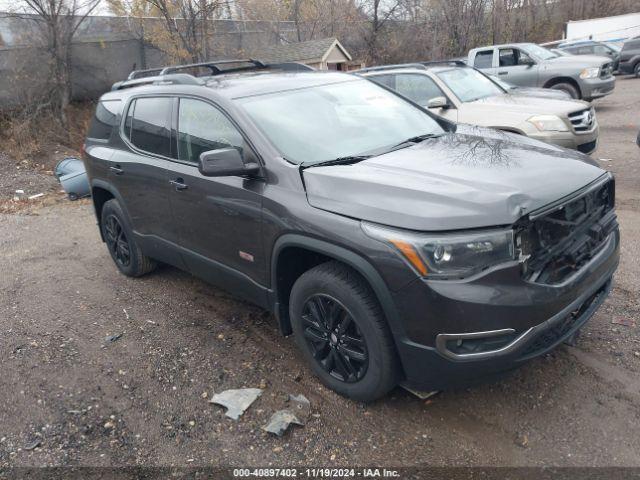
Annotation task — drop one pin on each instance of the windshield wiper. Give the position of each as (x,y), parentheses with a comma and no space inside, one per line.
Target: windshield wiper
(413,140)
(348,160)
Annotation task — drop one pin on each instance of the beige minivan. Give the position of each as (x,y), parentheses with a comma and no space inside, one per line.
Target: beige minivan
(464,95)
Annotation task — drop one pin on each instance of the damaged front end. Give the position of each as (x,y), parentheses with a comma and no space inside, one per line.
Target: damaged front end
(557,241)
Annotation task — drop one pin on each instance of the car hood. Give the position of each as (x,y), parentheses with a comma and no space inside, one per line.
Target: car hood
(540,92)
(528,105)
(579,61)
(470,179)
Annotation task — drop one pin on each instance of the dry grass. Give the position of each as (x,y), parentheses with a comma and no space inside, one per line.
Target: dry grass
(30,133)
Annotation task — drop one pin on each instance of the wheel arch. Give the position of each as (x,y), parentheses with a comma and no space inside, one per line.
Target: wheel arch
(556,80)
(101,193)
(323,251)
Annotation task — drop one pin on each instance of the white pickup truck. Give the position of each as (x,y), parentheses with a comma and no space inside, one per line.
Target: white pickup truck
(530,65)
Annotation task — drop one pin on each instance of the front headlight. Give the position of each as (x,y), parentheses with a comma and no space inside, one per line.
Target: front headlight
(548,123)
(591,72)
(454,255)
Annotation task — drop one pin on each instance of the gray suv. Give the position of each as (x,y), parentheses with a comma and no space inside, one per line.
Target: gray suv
(395,246)
(630,57)
(529,65)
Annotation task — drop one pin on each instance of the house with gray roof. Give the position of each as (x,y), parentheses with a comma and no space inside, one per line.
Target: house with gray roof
(322,54)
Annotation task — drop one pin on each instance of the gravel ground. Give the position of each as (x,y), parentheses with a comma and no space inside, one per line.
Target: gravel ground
(69,397)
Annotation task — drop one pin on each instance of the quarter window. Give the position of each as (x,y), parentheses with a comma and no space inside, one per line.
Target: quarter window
(104,119)
(148,124)
(202,127)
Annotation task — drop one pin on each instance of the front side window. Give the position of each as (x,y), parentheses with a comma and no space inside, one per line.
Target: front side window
(469,85)
(483,59)
(104,119)
(508,57)
(202,127)
(326,122)
(147,124)
(418,88)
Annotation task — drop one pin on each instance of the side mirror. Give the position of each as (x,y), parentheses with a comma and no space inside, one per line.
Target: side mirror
(225,162)
(438,102)
(529,63)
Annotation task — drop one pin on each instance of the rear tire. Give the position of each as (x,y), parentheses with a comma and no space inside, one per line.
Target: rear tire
(118,236)
(567,87)
(636,70)
(341,330)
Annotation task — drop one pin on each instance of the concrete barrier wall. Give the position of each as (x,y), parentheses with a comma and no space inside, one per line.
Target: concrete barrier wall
(106,50)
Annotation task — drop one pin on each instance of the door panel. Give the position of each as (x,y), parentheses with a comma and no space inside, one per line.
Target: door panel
(140,174)
(512,68)
(218,218)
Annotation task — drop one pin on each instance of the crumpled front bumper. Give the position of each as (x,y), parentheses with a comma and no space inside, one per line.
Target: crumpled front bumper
(538,318)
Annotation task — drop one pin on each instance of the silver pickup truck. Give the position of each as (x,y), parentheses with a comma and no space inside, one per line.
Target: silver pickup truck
(529,65)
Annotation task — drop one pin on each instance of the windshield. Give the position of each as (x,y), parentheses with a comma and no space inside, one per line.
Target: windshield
(539,52)
(318,124)
(469,85)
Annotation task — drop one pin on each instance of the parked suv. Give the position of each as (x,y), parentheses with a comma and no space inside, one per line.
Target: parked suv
(630,57)
(463,94)
(530,65)
(591,47)
(396,246)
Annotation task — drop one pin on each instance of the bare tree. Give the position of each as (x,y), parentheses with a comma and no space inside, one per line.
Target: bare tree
(56,23)
(378,14)
(187,25)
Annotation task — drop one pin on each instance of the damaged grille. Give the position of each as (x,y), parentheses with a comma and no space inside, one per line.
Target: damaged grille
(559,242)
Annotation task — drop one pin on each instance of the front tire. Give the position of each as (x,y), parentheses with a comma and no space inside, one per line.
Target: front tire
(118,236)
(340,328)
(567,87)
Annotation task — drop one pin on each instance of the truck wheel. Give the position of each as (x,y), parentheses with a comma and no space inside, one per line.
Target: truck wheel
(118,236)
(567,87)
(341,330)
(636,70)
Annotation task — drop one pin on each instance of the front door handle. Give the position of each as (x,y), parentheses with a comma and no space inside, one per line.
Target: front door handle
(117,170)
(179,184)
(503,73)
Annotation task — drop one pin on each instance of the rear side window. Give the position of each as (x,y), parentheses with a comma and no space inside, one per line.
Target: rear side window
(104,119)
(147,124)
(483,59)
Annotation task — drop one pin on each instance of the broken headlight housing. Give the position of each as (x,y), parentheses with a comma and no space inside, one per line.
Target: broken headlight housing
(447,256)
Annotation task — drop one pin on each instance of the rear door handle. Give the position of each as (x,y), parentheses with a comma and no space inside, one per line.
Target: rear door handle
(503,73)
(117,170)
(179,184)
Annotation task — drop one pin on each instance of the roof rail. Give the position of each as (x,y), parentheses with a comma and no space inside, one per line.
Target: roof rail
(252,65)
(174,79)
(458,63)
(213,66)
(165,75)
(142,73)
(389,67)
(421,65)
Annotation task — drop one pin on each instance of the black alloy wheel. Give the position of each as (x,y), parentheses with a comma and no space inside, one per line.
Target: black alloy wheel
(117,241)
(334,339)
